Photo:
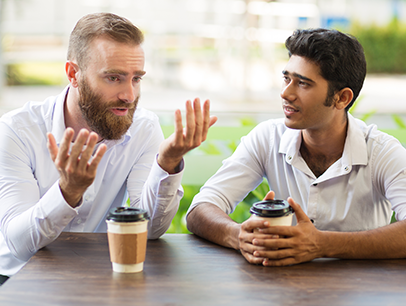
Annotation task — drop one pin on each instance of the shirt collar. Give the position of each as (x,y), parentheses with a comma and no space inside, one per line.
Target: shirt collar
(355,149)
(58,122)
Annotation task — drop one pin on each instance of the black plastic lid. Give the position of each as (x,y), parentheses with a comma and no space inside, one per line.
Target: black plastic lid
(127,214)
(271,208)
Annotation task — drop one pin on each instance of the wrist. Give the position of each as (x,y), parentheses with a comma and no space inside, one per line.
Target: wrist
(170,165)
(234,240)
(326,244)
(73,199)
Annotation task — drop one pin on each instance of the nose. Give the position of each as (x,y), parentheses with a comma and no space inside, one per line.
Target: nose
(288,92)
(128,93)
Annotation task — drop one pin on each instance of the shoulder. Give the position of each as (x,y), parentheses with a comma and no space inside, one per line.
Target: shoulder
(373,136)
(145,117)
(270,130)
(145,128)
(32,115)
(381,148)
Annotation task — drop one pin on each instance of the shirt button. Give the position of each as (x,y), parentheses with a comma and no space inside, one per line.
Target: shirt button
(79,221)
(87,197)
(289,157)
(347,168)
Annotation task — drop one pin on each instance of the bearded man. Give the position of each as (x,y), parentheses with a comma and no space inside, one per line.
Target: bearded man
(67,161)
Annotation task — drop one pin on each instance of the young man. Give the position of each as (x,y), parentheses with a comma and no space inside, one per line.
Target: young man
(65,162)
(341,177)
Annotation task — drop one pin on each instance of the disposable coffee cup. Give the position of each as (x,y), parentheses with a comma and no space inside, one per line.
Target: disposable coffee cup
(127,237)
(276,212)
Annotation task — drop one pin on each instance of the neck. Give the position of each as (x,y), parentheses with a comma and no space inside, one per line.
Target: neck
(328,141)
(321,149)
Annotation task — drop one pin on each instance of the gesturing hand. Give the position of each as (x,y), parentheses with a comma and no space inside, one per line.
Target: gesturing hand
(76,171)
(172,149)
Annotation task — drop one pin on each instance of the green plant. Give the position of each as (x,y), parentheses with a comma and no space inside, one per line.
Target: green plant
(241,212)
(383,46)
(399,121)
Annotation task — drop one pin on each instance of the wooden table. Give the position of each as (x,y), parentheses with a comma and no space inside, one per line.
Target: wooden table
(187,270)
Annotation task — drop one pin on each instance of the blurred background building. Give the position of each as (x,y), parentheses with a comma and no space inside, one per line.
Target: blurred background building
(230,51)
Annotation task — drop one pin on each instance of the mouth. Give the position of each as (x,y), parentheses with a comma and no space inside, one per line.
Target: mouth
(289,110)
(119,111)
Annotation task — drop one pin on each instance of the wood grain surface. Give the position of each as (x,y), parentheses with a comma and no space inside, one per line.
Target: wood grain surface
(186,270)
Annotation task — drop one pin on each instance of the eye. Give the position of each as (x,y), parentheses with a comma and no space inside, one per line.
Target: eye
(137,79)
(285,79)
(113,78)
(301,83)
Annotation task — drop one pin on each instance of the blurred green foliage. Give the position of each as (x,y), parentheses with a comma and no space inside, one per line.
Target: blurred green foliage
(240,214)
(384,46)
(36,73)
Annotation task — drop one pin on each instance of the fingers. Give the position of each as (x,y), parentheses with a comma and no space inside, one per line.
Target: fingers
(63,153)
(190,122)
(270,195)
(52,146)
(178,127)
(251,258)
(246,237)
(300,214)
(252,224)
(97,158)
(199,123)
(87,151)
(208,120)
(280,262)
(76,151)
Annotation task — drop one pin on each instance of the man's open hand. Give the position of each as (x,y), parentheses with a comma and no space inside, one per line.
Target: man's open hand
(76,170)
(185,139)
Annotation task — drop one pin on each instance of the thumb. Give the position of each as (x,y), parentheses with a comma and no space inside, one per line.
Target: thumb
(300,214)
(52,146)
(270,195)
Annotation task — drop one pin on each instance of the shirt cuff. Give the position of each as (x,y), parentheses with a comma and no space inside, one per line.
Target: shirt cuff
(55,205)
(164,183)
(178,169)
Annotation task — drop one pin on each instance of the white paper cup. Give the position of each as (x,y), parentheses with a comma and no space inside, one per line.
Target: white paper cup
(127,230)
(276,212)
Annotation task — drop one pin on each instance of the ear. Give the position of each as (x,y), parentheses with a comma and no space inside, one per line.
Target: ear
(343,98)
(72,72)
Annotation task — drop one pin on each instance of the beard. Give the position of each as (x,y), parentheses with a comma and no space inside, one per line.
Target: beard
(97,112)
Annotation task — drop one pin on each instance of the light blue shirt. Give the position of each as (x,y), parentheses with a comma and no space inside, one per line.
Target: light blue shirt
(33,211)
(358,192)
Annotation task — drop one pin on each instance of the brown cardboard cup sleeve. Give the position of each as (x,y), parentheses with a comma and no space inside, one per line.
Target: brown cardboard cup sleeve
(127,248)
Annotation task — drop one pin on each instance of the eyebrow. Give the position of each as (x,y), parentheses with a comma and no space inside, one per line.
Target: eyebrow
(120,72)
(297,75)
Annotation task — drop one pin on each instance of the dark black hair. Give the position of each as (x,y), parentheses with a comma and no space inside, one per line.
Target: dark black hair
(340,57)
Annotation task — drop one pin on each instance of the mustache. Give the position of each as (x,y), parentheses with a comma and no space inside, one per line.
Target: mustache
(289,104)
(121,104)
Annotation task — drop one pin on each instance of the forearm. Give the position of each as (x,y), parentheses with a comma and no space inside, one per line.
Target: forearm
(159,195)
(381,243)
(27,228)
(210,222)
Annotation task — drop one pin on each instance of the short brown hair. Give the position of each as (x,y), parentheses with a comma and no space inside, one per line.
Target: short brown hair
(96,25)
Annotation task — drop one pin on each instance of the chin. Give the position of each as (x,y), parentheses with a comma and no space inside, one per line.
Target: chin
(293,125)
